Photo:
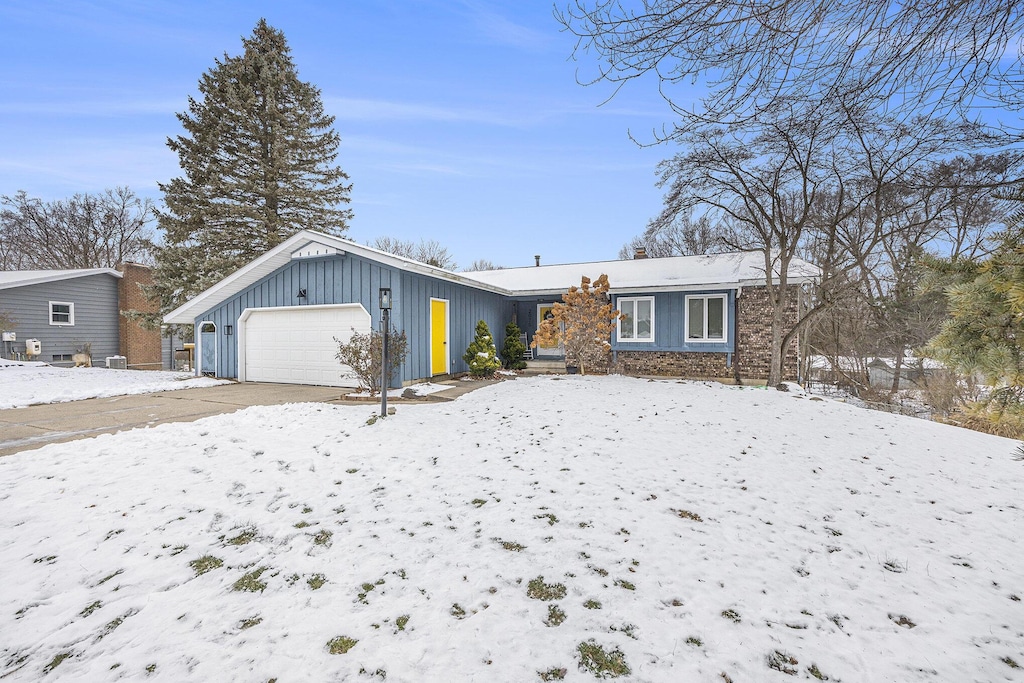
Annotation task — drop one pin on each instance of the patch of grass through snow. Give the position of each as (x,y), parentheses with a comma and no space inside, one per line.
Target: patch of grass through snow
(553,674)
(250,582)
(556,617)
(55,662)
(246,535)
(594,659)
(316,581)
(538,590)
(90,608)
(340,645)
(782,661)
(205,564)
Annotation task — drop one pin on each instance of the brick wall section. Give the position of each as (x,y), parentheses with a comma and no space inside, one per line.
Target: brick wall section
(140,346)
(754,348)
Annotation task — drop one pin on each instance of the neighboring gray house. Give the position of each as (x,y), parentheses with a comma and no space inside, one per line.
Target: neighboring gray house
(276,318)
(64,310)
(68,311)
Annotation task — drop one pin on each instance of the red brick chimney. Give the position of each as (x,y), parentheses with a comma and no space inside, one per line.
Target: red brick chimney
(641,252)
(140,346)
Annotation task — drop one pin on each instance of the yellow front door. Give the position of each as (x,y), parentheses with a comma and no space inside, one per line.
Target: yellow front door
(438,337)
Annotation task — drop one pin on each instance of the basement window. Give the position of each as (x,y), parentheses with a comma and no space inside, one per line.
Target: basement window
(62,313)
(636,323)
(706,318)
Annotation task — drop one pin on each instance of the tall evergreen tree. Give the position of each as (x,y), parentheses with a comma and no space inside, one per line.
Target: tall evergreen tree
(258,155)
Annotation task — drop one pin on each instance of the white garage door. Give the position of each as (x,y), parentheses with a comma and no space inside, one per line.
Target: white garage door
(295,344)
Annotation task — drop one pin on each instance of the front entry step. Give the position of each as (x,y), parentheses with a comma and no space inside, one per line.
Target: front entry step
(544,367)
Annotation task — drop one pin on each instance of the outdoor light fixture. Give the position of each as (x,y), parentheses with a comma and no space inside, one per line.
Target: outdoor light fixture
(301,294)
(384,299)
(229,330)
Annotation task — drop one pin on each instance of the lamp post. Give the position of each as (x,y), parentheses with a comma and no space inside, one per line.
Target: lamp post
(385,321)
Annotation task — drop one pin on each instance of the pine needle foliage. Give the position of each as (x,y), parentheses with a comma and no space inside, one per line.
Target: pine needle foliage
(258,160)
(984,332)
(513,350)
(583,323)
(481,355)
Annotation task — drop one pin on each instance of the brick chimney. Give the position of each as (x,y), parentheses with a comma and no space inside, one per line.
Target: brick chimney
(641,252)
(140,346)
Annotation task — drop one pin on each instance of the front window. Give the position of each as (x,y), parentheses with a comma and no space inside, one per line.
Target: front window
(62,313)
(636,323)
(706,318)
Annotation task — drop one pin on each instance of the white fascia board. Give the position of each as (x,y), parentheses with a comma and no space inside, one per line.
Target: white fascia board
(282,254)
(40,277)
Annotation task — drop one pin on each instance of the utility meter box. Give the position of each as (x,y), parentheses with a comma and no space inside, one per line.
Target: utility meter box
(9,337)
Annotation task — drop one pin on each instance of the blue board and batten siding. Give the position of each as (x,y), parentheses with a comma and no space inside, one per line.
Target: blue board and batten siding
(348,278)
(95,309)
(466,306)
(670,324)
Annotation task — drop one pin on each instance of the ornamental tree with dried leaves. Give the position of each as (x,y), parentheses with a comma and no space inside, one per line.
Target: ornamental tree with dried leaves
(583,323)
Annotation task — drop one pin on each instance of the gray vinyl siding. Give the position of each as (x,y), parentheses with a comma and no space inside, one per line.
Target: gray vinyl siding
(96,316)
(669,324)
(348,279)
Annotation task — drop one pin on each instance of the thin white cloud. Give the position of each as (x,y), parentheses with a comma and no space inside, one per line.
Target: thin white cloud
(499,29)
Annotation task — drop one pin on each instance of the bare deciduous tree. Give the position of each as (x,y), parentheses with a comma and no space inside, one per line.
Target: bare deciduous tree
(934,56)
(681,237)
(425,251)
(86,231)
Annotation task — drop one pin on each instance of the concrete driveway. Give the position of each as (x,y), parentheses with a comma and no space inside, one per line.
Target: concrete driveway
(27,428)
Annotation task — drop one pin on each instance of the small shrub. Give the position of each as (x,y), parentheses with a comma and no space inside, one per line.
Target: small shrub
(513,350)
(603,664)
(340,645)
(205,564)
(556,617)
(481,356)
(363,353)
(538,590)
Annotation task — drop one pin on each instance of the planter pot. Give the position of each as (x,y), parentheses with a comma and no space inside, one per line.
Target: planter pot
(572,369)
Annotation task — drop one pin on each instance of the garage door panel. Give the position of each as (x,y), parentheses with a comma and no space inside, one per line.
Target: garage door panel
(296,345)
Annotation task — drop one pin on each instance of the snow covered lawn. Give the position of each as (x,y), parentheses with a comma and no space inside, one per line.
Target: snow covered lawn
(26,384)
(529,530)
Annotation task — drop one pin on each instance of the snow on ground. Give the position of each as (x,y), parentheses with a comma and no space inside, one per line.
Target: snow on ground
(693,530)
(25,384)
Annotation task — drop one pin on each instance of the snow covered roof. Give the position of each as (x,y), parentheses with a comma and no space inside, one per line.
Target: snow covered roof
(304,244)
(654,274)
(20,278)
(650,274)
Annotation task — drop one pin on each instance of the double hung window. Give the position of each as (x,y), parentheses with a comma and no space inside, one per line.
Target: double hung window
(636,323)
(706,318)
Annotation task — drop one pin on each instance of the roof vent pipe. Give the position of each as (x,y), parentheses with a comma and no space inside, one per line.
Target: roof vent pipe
(641,252)
(536,259)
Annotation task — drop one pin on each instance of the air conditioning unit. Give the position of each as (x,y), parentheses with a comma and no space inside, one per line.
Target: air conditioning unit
(117,362)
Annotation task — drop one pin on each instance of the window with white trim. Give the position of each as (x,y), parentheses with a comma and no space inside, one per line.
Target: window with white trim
(636,323)
(707,318)
(62,313)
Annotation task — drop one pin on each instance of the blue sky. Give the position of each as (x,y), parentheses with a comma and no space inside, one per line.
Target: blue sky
(460,121)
